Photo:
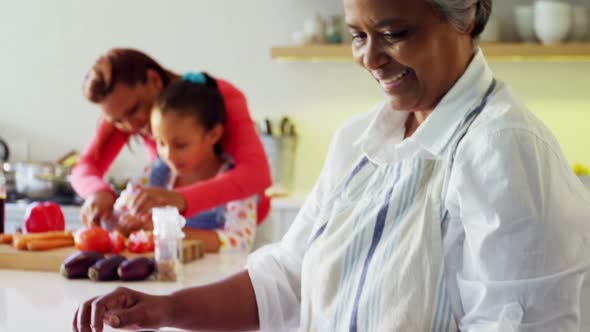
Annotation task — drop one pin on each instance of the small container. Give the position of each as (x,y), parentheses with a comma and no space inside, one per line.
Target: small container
(168,237)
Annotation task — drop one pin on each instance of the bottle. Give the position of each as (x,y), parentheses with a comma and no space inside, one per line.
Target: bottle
(334,30)
(168,237)
(2,201)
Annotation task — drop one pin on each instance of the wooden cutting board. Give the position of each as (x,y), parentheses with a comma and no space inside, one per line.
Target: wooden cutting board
(51,260)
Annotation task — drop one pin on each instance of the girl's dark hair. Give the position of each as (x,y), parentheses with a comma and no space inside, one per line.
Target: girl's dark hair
(202,101)
(120,65)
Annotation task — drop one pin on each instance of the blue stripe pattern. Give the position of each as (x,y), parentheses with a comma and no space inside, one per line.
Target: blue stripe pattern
(354,172)
(407,193)
(376,238)
(362,224)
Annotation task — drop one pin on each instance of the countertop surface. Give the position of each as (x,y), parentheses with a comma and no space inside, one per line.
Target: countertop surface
(40,301)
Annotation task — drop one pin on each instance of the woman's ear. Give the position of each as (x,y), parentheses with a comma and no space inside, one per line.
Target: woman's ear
(214,135)
(153,79)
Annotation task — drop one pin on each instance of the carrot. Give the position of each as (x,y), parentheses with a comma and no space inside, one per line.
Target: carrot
(6,238)
(20,240)
(46,244)
(49,235)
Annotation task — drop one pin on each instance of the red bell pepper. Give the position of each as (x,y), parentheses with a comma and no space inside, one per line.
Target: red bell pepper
(44,217)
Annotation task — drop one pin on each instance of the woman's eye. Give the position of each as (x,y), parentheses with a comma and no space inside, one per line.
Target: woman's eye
(180,145)
(358,36)
(396,34)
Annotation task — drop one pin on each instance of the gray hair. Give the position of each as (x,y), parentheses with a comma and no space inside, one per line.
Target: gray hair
(461,13)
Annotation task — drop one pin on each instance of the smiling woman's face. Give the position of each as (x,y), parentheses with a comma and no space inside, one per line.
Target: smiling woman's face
(413,53)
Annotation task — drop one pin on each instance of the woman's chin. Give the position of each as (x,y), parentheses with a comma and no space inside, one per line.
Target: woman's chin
(400,103)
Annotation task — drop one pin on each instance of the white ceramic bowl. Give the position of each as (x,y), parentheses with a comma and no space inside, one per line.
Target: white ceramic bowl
(580,23)
(553,20)
(524,20)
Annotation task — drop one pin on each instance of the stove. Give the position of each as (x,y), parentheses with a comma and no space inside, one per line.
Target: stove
(59,198)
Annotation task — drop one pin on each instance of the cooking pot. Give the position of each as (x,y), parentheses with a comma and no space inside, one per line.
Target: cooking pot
(37,179)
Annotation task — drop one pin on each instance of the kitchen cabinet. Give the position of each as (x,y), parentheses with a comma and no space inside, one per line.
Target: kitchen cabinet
(494,51)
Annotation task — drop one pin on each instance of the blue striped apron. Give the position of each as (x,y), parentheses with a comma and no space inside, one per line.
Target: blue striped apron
(375,261)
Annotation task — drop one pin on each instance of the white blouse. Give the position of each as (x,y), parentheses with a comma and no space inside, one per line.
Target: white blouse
(517,240)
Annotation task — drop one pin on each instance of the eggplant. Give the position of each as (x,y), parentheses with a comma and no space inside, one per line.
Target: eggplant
(76,266)
(106,268)
(139,268)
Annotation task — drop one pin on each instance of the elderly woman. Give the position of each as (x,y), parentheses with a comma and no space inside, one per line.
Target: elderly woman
(448,207)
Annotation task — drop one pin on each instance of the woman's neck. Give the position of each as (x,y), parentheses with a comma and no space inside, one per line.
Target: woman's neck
(209,170)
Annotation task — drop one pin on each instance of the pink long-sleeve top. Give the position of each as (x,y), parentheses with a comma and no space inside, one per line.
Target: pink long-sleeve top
(250,176)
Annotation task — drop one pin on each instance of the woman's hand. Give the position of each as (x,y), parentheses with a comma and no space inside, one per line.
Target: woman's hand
(122,308)
(147,198)
(97,207)
(133,222)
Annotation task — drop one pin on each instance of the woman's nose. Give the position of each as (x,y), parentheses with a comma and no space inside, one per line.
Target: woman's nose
(375,56)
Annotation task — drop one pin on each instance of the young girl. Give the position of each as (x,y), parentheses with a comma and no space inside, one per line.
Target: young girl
(187,123)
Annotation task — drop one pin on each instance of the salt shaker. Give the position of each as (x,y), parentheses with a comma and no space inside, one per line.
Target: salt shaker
(168,237)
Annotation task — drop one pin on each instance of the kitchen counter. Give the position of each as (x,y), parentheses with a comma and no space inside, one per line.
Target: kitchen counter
(40,301)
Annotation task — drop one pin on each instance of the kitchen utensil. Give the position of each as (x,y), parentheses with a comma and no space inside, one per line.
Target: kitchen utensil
(287,127)
(267,127)
(38,180)
(4,151)
(50,260)
(524,19)
(553,20)
(30,182)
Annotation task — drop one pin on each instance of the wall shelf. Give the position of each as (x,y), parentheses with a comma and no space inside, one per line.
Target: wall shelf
(494,51)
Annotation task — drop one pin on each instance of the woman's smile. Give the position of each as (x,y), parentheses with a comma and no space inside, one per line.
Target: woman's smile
(390,84)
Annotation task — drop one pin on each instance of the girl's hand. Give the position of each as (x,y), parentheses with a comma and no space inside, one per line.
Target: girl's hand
(122,308)
(147,198)
(96,207)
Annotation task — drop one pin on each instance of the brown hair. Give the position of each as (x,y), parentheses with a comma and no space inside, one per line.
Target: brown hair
(120,65)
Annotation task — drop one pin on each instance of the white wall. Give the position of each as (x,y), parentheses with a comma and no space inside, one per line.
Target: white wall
(46,48)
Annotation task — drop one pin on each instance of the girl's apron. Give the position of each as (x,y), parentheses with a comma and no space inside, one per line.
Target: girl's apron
(375,258)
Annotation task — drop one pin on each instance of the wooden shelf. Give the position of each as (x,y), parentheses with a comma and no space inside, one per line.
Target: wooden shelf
(493,51)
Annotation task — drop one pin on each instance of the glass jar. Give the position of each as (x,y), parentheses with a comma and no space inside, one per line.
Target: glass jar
(168,237)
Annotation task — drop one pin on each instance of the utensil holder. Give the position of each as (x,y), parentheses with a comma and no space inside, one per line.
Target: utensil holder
(280,152)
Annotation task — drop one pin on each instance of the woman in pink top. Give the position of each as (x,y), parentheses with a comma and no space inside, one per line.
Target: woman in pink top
(125,83)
